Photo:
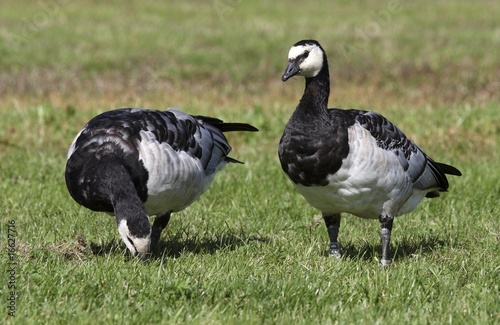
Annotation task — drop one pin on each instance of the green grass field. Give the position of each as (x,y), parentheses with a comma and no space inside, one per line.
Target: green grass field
(251,250)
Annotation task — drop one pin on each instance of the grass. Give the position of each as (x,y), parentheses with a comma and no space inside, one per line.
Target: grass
(250,250)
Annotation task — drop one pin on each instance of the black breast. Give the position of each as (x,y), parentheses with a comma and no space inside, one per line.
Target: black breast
(310,152)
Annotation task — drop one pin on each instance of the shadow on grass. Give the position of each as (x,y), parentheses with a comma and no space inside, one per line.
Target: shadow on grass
(181,243)
(178,245)
(399,250)
(107,248)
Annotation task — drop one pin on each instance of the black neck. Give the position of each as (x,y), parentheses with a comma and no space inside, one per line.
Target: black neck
(317,91)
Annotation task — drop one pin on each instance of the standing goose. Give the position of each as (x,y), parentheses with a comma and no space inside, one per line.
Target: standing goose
(351,161)
(134,163)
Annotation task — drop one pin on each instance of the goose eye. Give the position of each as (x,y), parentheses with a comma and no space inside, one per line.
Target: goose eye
(306,54)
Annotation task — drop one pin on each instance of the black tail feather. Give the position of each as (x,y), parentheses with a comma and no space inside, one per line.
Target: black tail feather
(226,127)
(450,170)
(432,194)
(232,160)
(438,172)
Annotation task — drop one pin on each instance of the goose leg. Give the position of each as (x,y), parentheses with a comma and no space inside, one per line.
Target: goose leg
(385,238)
(332,223)
(158,225)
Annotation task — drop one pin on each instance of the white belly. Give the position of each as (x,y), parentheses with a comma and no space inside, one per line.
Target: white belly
(176,179)
(370,183)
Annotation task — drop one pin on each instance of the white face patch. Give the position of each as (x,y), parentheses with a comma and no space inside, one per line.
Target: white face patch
(310,66)
(139,246)
(295,51)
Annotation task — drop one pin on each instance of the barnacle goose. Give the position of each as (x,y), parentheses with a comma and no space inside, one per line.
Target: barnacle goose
(351,160)
(136,163)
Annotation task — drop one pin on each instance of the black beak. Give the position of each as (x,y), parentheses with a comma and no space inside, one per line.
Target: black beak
(291,70)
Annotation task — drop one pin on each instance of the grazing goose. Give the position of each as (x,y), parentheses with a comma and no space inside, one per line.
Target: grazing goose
(351,161)
(136,162)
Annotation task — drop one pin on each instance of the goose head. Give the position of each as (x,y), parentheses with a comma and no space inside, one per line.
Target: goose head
(305,58)
(138,240)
